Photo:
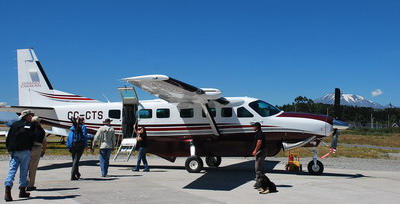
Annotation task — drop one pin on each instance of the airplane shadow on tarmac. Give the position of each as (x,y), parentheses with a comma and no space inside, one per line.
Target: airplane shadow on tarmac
(232,176)
(223,179)
(229,177)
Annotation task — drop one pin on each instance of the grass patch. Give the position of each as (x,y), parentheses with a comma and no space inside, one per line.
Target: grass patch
(375,132)
(386,140)
(349,152)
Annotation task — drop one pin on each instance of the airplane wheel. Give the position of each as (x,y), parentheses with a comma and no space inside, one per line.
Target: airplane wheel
(213,161)
(315,169)
(194,164)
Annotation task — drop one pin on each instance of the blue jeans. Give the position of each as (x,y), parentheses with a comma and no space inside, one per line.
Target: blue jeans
(104,158)
(142,156)
(18,159)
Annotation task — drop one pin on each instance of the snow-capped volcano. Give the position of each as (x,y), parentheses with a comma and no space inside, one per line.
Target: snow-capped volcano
(349,100)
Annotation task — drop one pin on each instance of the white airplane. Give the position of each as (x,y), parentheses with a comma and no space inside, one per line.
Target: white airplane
(185,122)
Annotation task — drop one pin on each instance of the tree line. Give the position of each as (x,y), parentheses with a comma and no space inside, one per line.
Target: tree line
(357,116)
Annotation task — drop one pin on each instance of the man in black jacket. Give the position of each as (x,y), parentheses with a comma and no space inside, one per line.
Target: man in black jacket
(19,143)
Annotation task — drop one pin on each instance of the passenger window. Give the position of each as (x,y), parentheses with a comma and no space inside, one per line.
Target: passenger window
(242,112)
(116,114)
(145,113)
(186,113)
(162,113)
(213,112)
(226,112)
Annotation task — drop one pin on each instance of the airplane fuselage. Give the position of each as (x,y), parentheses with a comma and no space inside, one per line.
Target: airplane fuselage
(171,127)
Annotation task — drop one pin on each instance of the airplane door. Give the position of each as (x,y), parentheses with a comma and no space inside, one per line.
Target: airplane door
(130,103)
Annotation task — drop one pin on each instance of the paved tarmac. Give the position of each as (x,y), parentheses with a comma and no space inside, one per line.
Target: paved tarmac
(231,183)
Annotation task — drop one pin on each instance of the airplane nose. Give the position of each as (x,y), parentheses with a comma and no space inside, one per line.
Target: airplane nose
(340,125)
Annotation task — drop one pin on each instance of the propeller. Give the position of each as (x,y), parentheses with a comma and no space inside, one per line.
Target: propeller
(337,123)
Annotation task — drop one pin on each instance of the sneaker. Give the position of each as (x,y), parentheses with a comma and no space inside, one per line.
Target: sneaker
(146,170)
(135,169)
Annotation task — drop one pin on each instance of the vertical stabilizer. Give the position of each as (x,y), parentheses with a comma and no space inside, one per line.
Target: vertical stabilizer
(34,86)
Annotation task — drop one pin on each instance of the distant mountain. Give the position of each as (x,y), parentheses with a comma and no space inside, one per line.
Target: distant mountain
(349,100)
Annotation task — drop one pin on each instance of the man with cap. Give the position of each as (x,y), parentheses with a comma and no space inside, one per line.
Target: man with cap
(259,151)
(19,143)
(106,137)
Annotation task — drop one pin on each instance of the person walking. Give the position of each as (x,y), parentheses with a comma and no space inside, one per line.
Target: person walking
(141,145)
(76,143)
(259,152)
(38,149)
(19,143)
(106,137)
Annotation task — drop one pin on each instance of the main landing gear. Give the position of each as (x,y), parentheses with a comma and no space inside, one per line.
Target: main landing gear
(194,163)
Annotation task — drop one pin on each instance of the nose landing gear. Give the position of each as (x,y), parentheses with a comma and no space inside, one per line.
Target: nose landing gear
(315,167)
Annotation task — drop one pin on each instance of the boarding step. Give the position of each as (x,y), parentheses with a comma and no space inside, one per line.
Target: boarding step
(126,148)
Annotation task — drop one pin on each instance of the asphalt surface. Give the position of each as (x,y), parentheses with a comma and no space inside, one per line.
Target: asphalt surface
(343,181)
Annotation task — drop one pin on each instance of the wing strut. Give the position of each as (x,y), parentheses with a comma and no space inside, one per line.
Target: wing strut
(211,119)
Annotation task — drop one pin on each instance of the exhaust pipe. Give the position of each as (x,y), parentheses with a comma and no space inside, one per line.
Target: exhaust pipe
(290,146)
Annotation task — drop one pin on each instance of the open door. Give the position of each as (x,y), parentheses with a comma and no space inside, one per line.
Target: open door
(130,103)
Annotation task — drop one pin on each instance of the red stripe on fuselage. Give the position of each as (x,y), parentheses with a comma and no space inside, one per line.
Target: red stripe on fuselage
(323,118)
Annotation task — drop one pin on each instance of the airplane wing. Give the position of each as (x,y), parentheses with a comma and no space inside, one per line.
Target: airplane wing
(175,91)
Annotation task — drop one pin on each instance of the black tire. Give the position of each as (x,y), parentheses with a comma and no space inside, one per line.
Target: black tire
(194,164)
(213,161)
(315,170)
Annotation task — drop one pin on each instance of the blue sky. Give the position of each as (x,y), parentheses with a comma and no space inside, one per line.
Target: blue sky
(272,50)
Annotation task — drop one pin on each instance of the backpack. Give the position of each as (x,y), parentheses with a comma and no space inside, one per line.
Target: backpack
(78,138)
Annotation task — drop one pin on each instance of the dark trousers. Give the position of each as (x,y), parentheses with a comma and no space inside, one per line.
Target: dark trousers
(259,164)
(76,153)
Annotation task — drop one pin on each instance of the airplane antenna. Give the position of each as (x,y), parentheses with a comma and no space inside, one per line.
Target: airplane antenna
(108,101)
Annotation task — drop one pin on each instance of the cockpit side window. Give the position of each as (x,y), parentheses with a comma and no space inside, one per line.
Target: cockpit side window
(263,108)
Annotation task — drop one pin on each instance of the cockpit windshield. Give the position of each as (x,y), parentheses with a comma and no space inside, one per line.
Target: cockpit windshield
(263,108)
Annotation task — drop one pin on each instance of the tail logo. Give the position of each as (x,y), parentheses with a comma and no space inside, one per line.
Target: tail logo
(30,84)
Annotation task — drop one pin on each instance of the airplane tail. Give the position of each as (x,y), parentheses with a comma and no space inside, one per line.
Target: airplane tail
(35,88)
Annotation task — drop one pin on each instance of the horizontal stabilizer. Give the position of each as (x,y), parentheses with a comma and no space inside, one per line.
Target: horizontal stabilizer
(19,109)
